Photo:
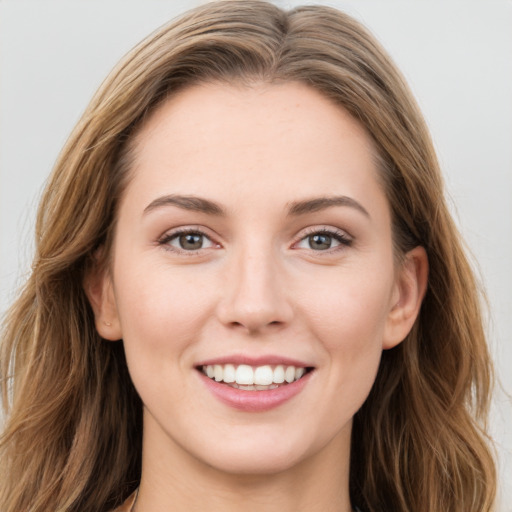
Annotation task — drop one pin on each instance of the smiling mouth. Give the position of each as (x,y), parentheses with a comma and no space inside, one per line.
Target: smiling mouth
(254,378)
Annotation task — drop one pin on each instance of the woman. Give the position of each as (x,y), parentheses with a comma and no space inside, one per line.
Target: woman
(252,204)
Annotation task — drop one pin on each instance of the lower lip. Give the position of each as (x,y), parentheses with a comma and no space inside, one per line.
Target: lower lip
(255,401)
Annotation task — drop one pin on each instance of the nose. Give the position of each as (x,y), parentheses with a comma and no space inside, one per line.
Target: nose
(254,294)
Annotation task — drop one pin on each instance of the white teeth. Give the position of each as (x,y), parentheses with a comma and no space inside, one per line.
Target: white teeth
(229,373)
(218,373)
(253,378)
(279,374)
(263,375)
(289,374)
(244,374)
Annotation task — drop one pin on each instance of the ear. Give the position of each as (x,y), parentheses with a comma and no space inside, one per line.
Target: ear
(410,288)
(99,289)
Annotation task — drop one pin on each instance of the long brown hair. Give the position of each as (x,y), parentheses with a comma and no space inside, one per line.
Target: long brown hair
(72,439)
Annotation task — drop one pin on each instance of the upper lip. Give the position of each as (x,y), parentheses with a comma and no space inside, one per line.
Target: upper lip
(237,359)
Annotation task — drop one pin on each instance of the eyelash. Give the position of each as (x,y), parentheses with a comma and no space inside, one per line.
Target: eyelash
(336,234)
(165,240)
(340,236)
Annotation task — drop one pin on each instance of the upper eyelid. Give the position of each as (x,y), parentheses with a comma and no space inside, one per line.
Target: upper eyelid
(170,233)
(322,229)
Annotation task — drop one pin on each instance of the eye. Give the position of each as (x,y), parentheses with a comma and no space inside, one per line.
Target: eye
(323,240)
(187,241)
(320,242)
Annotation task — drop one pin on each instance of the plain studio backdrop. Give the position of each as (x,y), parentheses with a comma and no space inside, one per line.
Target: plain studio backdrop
(456,55)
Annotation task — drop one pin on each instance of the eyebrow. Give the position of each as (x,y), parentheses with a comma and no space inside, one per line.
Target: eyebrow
(321,203)
(193,203)
(296,208)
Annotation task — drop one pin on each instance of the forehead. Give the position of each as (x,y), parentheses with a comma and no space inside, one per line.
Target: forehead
(268,139)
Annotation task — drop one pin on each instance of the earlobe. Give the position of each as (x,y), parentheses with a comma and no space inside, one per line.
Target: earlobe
(410,288)
(99,290)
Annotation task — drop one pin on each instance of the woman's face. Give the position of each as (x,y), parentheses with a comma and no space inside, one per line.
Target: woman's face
(253,237)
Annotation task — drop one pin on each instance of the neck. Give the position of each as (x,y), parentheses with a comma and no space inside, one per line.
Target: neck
(172,479)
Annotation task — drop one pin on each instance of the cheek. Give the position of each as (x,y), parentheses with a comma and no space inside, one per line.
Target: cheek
(160,309)
(348,309)
(161,314)
(348,316)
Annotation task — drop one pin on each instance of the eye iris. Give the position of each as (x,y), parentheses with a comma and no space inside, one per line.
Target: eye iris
(320,242)
(191,241)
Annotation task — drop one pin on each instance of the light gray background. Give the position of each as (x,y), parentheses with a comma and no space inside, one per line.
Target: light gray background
(457,56)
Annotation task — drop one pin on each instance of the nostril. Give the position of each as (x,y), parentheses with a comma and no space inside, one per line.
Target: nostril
(256,325)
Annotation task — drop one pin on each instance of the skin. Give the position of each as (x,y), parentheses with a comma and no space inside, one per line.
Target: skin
(256,287)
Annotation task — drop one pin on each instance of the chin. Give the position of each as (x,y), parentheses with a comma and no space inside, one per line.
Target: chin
(256,464)
(260,455)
